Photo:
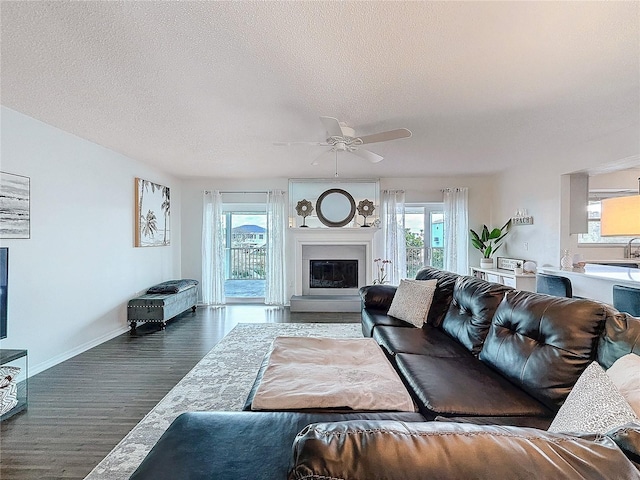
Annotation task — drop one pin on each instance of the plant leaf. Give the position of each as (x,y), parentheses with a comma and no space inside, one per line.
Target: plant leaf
(477,244)
(495,233)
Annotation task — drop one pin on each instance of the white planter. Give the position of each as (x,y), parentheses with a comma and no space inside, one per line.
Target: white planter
(486,263)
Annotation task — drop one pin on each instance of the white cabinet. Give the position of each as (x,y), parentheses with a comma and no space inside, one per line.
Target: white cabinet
(525,281)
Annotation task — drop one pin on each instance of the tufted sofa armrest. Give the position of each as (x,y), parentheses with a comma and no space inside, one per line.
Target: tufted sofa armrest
(377,297)
(621,336)
(373,450)
(627,437)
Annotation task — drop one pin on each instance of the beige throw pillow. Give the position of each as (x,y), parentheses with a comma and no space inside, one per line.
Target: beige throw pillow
(412,301)
(625,375)
(594,405)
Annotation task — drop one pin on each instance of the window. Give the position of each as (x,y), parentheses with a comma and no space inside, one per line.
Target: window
(424,249)
(592,237)
(245,252)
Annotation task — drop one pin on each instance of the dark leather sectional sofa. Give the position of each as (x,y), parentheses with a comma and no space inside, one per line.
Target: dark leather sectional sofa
(490,363)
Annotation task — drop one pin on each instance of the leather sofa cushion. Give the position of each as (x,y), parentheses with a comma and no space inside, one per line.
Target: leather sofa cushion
(235,445)
(533,422)
(464,386)
(471,310)
(371,319)
(543,343)
(443,294)
(427,340)
(377,450)
(621,336)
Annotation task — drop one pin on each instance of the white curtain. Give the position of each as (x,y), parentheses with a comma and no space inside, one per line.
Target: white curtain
(456,230)
(213,241)
(395,244)
(275,291)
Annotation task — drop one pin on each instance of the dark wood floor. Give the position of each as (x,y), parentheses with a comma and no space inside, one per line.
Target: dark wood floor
(81,408)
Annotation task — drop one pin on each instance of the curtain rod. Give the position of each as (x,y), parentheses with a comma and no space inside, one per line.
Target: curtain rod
(241,192)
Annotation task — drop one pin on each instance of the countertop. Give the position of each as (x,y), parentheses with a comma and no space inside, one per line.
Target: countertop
(596,281)
(623,274)
(615,262)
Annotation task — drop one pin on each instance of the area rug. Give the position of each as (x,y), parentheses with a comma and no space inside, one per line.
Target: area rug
(220,381)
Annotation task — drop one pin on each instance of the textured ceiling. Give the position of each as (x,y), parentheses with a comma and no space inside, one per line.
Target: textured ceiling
(206,88)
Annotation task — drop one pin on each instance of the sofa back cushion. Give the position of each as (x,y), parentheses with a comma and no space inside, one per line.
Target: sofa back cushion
(443,294)
(543,343)
(621,336)
(471,310)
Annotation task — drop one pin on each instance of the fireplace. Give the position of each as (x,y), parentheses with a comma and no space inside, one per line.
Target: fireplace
(333,274)
(339,269)
(335,244)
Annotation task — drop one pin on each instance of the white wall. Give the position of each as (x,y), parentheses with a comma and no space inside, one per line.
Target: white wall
(70,282)
(537,186)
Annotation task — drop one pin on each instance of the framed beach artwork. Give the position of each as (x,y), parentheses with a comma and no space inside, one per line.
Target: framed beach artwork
(15,208)
(152,214)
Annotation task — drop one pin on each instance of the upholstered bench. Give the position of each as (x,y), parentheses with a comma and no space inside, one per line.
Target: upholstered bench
(163,302)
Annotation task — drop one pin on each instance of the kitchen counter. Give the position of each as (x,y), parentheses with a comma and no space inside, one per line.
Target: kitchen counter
(596,281)
(613,263)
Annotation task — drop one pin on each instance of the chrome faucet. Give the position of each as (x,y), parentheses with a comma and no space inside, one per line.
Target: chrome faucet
(627,251)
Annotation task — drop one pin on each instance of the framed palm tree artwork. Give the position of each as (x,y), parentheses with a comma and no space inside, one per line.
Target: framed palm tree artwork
(152,214)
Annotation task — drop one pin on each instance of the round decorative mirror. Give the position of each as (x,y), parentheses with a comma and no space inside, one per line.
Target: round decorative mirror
(335,207)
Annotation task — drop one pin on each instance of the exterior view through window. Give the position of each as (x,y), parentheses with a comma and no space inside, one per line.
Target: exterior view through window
(424,232)
(245,254)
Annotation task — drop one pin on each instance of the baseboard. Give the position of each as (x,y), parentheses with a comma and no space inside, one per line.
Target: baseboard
(75,351)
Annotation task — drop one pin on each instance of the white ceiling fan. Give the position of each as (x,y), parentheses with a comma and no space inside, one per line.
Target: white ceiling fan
(342,138)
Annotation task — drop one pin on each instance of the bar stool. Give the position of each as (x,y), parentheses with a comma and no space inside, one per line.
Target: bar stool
(626,299)
(553,285)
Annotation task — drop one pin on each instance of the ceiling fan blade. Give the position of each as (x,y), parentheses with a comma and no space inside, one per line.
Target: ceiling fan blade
(366,154)
(332,126)
(386,136)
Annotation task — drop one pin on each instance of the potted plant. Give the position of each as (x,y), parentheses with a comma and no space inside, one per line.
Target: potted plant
(488,242)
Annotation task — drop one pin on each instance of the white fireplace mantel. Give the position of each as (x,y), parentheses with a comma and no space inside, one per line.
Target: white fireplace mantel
(332,236)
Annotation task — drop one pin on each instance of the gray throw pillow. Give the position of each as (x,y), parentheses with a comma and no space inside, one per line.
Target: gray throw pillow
(412,301)
(594,405)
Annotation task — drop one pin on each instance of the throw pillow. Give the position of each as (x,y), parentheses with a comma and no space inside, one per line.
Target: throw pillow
(594,405)
(8,388)
(625,375)
(412,301)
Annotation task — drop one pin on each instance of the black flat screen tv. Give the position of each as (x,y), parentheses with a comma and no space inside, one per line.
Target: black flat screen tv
(4,280)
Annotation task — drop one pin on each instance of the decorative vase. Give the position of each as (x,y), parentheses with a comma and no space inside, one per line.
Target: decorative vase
(566,262)
(486,263)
